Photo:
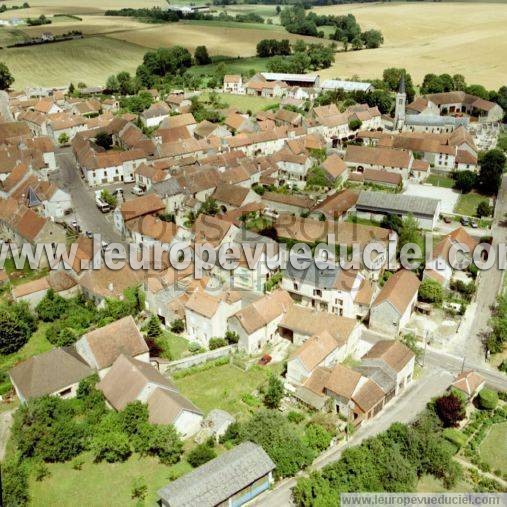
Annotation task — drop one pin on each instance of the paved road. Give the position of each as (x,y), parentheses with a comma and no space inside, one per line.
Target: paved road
(6,421)
(403,409)
(490,283)
(83,200)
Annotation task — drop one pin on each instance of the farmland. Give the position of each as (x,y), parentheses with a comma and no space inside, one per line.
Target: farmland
(423,37)
(428,37)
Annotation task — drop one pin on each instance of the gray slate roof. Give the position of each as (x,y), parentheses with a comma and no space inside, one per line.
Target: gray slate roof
(320,278)
(168,188)
(220,478)
(434,120)
(397,203)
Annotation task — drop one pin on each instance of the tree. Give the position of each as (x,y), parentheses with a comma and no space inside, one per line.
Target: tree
(177,326)
(410,234)
(62,441)
(201,56)
(465,181)
(14,331)
(274,393)
(317,437)
(63,138)
(372,38)
(273,432)
(478,90)
(165,443)
(488,399)
(355,124)
(71,89)
(484,209)
(393,222)
(216,343)
(231,337)
(104,140)
(14,483)
(110,446)
(112,84)
(201,454)
(51,307)
(357,43)
(430,291)
(492,165)
(133,417)
(6,78)
(450,409)
(153,329)
(392,78)
(459,82)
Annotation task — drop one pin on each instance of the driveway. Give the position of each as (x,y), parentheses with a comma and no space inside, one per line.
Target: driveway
(6,421)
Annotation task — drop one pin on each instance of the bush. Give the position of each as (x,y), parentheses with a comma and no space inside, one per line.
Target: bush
(51,307)
(201,454)
(110,446)
(484,209)
(232,337)
(488,399)
(216,343)
(14,483)
(194,347)
(317,438)
(139,489)
(41,471)
(16,326)
(431,291)
(295,417)
(153,329)
(274,393)
(455,436)
(177,326)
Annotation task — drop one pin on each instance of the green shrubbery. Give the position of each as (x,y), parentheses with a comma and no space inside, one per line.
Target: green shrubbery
(488,399)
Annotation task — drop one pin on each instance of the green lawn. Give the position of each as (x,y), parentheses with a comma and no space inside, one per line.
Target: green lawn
(493,449)
(98,484)
(36,345)
(173,345)
(232,66)
(440,181)
(223,387)
(244,102)
(467,203)
(430,484)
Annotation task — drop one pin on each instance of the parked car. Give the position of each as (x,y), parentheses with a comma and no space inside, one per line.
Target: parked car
(264,360)
(465,221)
(89,234)
(474,224)
(447,220)
(137,190)
(74,226)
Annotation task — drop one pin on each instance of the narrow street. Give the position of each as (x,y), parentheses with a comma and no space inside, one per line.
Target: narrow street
(403,409)
(83,201)
(489,286)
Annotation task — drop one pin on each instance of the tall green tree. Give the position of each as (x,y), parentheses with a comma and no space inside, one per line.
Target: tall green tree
(6,78)
(492,165)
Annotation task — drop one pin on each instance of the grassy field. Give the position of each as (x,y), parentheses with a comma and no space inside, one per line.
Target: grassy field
(233,66)
(430,484)
(98,484)
(493,449)
(90,60)
(440,181)
(223,387)
(244,102)
(36,345)
(428,37)
(467,203)
(173,345)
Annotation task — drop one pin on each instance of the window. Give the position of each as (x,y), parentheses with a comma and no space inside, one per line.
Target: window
(65,392)
(317,292)
(296,286)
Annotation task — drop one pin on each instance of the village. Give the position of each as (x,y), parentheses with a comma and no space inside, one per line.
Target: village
(320,357)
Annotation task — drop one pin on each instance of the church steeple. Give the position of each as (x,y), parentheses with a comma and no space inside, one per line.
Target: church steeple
(401,98)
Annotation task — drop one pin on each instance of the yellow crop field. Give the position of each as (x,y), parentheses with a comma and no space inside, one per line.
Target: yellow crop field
(424,37)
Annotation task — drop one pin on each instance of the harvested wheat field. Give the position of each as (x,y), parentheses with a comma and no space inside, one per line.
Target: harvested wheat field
(424,37)
(220,40)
